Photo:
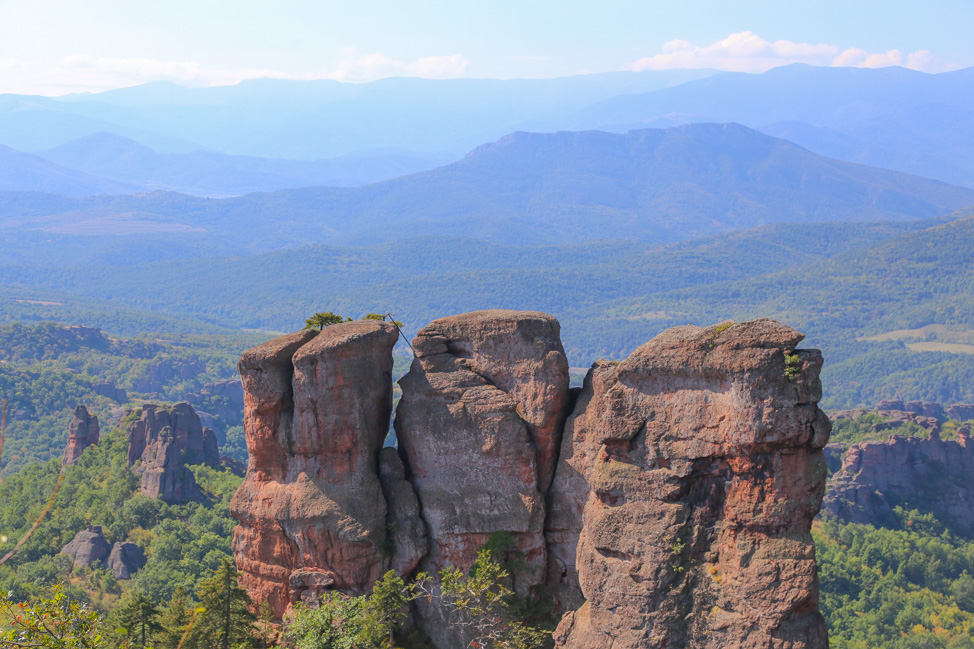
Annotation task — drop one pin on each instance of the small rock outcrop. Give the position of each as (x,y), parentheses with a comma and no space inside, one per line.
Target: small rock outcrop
(311,509)
(164,476)
(877,476)
(88,546)
(125,560)
(161,442)
(479,423)
(692,472)
(109,389)
(194,443)
(82,433)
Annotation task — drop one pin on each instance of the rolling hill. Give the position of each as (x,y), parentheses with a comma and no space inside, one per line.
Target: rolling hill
(653,186)
(28,173)
(205,173)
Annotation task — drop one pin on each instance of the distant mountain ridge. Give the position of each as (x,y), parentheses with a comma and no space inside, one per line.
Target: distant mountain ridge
(890,117)
(653,186)
(30,173)
(205,173)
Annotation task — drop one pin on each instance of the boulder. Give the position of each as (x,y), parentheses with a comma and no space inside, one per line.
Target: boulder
(690,476)
(125,560)
(82,433)
(311,508)
(88,546)
(479,425)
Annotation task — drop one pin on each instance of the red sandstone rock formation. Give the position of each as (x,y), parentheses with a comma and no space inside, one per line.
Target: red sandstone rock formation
(678,514)
(479,423)
(311,508)
(82,433)
(875,476)
(698,467)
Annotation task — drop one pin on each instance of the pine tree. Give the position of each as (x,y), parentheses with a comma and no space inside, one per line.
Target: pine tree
(173,621)
(139,618)
(227,618)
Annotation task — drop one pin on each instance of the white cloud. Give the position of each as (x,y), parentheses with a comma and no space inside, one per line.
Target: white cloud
(81,72)
(748,52)
(376,66)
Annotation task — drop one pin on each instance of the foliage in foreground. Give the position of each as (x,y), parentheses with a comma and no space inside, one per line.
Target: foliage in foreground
(480,606)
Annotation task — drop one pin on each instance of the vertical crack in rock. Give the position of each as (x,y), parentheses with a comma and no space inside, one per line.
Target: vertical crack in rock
(688,480)
(311,509)
(479,423)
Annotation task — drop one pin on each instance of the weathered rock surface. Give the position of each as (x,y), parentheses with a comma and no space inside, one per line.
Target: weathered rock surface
(671,509)
(161,442)
(125,560)
(164,476)
(88,546)
(82,433)
(311,509)
(479,423)
(408,541)
(194,443)
(698,467)
(877,476)
(110,390)
(961,412)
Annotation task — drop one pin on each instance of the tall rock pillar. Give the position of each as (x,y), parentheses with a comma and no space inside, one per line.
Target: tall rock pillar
(311,508)
(685,492)
(480,423)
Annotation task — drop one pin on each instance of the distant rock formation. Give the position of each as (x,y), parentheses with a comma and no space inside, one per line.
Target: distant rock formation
(196,444)
(925,409)
(109,390)
(161,442)
(82,433)
(672,508)
(88,546)
(480,424)
(877,476)
(311,508)
(125,560)
(164,476)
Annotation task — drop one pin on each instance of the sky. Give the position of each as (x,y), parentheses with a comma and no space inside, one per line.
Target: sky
(53,47)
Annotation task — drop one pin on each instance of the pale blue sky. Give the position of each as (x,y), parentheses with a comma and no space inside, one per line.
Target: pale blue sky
(57,46)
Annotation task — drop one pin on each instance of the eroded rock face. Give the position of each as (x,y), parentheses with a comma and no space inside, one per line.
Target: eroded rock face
(876,476)
(88,546)
(125,560)
(82,433)
(675,514)
(409,541)
(194,443)
(311,508)
(161,442)
(696,468)
(164,476)
(479,424)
